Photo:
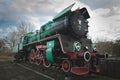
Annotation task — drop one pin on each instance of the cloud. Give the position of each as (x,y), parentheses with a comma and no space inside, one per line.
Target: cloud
(95,4)
(114,11)
(4,31)
(104,28)
(113,5)
(1,30)
(37,12)
(104,22)
(105,19)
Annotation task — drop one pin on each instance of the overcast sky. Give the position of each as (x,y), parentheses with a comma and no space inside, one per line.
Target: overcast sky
(104,22)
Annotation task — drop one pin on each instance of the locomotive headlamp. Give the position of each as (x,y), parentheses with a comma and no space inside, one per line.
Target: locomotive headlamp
(86,47)
(76,46)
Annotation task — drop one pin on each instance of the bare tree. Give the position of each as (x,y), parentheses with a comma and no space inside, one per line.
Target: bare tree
(12,37)
(104,47)
(112,48)
(24,27)
(116,48)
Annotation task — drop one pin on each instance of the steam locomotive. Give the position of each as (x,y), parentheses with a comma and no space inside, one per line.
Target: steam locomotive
(62,42)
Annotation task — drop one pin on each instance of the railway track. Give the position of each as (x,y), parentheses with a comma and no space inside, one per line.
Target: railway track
(57,74)
(27,71)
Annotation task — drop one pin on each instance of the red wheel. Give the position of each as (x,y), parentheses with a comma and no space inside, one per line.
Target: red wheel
(66,66)
(32,56)
(46,63)
(39,58)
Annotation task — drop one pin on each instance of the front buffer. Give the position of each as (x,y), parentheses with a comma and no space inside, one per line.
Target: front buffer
(78,63)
